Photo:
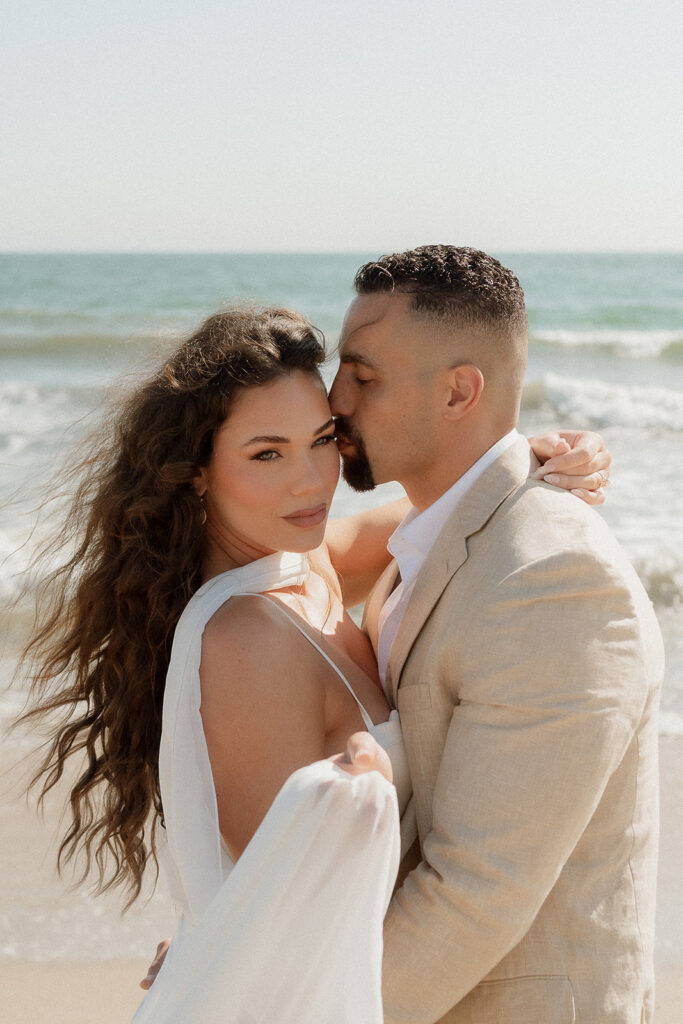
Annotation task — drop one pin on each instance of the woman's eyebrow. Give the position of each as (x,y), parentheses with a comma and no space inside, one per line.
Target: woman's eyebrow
(276,439)
(266,439)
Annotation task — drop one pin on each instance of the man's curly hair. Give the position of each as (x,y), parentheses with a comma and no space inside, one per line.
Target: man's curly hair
(463,286)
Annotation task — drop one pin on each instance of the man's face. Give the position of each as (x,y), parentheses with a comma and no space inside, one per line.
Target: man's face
(383,394)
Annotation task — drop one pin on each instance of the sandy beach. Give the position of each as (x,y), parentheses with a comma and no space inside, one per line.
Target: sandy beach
(68,958)
(75,993)
(70,992)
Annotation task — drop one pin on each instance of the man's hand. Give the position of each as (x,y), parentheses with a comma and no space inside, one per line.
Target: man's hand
(574,459)
(364,754)
(155,966)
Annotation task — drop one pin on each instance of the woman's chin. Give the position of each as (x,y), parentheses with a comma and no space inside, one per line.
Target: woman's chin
(302,540)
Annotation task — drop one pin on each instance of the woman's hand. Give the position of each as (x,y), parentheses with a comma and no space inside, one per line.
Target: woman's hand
(574,459)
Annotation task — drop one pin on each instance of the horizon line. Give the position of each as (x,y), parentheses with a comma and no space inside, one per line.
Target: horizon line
(321,252)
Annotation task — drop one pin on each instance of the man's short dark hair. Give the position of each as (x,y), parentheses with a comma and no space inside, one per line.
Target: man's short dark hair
(459,285)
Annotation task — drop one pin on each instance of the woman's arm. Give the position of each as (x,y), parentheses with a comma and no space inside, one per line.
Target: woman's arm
(267,711)
(357,547)
(576,460)
(262,721)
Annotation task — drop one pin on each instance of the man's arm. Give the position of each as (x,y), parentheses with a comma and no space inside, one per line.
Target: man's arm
(357,547)
(544,718)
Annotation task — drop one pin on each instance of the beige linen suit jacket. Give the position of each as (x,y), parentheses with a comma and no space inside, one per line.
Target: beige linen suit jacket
(526,671)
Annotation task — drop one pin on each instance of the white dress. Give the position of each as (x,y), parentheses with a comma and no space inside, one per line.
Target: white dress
(292,932)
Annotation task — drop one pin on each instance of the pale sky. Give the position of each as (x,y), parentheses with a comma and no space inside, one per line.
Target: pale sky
(195,125)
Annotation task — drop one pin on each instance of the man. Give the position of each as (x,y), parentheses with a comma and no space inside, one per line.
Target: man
(525,660)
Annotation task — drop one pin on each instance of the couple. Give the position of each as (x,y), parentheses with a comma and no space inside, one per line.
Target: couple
(510,632)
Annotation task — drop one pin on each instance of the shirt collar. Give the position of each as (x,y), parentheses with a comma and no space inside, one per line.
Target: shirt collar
(412,540)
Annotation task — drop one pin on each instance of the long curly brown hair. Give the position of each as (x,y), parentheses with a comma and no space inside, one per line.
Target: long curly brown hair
(100,650)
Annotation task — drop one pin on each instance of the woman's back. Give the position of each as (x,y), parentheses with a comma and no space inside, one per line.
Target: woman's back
(293,930)
(191,791)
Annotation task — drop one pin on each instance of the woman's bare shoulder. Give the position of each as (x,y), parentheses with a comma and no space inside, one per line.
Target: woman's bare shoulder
(243,623)
(248,643)
(262,707)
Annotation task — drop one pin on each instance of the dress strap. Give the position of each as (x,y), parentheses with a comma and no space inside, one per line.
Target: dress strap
(365,716)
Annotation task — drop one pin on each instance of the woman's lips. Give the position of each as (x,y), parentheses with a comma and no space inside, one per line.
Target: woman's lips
(305,518)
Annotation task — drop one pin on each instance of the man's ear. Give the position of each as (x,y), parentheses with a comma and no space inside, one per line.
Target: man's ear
(199,481)
(464,386)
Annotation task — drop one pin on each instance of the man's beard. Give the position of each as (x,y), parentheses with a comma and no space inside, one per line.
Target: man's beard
(356,468)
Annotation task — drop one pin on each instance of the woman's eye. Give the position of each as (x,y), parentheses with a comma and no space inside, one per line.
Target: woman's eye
(363,380)
(266,456)
(325,439)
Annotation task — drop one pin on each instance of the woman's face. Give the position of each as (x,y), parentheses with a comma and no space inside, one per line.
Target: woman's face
(273,471)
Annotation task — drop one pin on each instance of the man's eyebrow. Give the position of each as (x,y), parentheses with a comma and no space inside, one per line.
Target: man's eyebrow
(356,357)
(276,439)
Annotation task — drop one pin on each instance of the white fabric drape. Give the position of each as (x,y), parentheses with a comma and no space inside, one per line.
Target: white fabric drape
(292,933)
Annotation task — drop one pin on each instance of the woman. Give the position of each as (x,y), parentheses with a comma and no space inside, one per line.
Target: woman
(218,464)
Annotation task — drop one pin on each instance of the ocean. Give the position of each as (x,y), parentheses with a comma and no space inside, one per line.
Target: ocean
(606,353)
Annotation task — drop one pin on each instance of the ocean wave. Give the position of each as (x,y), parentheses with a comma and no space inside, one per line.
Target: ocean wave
(86,340)
(34,415)
(636,344)
(670,723)
(598,404)
(662,576)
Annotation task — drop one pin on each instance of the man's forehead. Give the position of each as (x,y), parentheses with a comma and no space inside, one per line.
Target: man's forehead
(377,308)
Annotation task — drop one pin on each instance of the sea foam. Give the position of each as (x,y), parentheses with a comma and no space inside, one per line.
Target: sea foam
(600,404)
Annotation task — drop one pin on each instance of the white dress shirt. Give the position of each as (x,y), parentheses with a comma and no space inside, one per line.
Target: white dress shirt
(411,542)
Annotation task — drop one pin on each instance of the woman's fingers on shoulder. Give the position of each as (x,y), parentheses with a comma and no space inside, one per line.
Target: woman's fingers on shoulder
(586,466)
(590,497)
(587,449)
(544,445)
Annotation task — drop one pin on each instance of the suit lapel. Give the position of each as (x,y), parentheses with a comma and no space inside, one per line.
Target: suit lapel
(449,551)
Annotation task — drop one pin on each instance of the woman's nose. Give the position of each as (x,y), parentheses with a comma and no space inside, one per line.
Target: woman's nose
(307,479)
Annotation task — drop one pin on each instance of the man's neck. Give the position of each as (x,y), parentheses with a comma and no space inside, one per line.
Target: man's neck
(432,484)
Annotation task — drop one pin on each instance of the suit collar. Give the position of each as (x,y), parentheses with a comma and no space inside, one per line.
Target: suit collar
(378,596)
(449,550)
(412,540)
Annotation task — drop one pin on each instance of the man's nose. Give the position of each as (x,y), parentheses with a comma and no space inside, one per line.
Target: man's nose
(339,397)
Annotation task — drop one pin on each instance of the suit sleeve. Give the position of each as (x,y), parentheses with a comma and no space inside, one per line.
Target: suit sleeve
(546,694)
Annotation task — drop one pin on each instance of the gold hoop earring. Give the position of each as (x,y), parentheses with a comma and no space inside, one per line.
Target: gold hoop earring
(201,502)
